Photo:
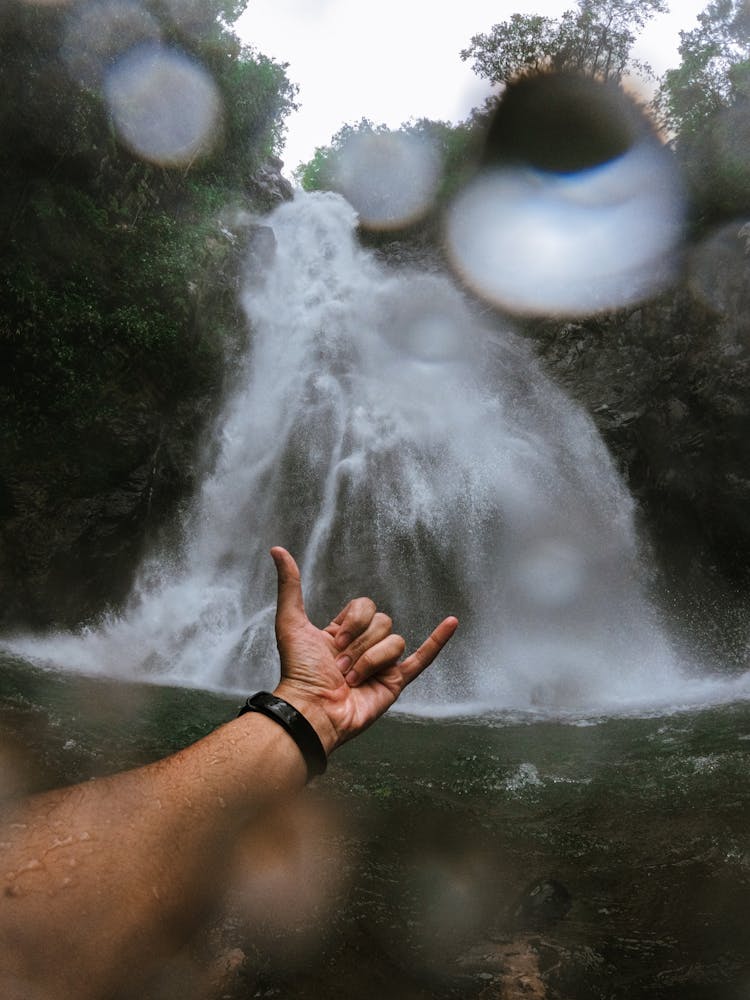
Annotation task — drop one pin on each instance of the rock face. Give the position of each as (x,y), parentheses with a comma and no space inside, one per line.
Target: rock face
(75,520)
(73,525)
(541,905)
(268,187)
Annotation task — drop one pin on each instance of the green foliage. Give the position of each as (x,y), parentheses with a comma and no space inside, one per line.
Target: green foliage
(714,68)
(595,38)
(705,104)
(108,263)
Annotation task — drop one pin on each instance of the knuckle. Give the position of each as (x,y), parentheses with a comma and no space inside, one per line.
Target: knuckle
(363,609)
(364,663)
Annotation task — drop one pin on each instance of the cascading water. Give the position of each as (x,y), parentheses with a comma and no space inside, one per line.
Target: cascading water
(401,449)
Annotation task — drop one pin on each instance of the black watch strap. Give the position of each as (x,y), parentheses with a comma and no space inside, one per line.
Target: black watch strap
(296,726)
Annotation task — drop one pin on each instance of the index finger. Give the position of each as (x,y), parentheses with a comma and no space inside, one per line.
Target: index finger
(414,664)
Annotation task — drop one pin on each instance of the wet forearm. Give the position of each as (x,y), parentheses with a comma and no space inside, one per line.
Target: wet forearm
(119,870)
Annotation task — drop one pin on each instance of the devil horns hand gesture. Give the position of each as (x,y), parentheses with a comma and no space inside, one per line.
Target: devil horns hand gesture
(345,676)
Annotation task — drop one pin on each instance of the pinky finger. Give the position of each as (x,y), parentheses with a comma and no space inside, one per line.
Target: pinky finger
(414,664)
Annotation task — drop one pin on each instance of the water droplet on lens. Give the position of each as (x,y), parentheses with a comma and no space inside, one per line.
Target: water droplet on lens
(98,33)
(189,15)
(588,225)
(427,321)
(717,269)
(390,178)
(561,123)
(551,572)
(165,106)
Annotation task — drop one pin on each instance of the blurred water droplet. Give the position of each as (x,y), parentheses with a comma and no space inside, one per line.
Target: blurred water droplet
(98,33)
(577,207)
(731,141)
(190,15)
(390,178)
(718,268)
(425,320)
(562,123)
(551,572)
(165,106)
(541,243)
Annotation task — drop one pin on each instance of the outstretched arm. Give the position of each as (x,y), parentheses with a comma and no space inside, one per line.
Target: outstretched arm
(100,882)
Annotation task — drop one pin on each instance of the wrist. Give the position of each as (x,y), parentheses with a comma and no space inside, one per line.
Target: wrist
(313,709)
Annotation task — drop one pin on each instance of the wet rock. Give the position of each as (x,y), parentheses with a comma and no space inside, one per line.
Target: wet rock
(268,187)
(541,905)
(260,251)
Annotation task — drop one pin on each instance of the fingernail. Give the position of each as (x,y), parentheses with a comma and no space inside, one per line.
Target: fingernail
(352,678)
(343,663)
(342,640)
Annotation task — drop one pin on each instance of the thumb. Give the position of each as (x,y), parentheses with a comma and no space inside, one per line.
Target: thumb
(290,606)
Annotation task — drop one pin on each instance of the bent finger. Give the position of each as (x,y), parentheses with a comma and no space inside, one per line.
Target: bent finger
(421,658)
(353,620)
(380,626)
(378,657)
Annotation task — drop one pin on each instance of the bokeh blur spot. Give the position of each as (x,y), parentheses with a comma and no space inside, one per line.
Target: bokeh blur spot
(569,218)
(166,107)
(97,34)
(551,572)
(390,178)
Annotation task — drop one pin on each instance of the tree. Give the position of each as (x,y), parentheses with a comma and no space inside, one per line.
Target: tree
(595,39)
(704,104)
(714,70)
(101,250)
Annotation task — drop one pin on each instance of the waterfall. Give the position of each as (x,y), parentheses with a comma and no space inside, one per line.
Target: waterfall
(402,448)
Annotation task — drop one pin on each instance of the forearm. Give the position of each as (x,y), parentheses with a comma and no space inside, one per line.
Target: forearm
(103,881)
(120,870)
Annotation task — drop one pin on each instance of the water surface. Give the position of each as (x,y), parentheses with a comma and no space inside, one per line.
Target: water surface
(442,824)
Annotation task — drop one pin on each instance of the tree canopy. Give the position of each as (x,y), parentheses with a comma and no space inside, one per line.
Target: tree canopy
(594,38)
(714,69)
(704,105)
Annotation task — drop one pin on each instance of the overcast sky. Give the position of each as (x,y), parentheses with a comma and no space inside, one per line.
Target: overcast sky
(398,59)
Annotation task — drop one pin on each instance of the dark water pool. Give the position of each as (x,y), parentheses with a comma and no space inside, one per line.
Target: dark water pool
(434,836)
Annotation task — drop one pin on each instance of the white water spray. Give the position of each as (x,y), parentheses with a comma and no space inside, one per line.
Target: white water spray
(401,449)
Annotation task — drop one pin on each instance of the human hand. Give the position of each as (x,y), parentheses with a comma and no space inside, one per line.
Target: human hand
(345,676)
